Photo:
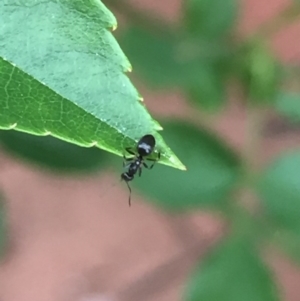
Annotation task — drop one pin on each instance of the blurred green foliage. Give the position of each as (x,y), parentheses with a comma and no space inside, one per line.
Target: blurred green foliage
(288,104)
(211,19)
(223,276)
(201,55)
(279,188)
(54,154)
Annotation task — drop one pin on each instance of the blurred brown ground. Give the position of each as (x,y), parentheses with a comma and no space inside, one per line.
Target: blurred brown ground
(75,239)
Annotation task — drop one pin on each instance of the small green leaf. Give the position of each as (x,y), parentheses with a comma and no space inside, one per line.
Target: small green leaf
(64,76)
(233,272)
(279,189)
(212,171)
(210,18)
(53,153)
(288,104)
(260,73)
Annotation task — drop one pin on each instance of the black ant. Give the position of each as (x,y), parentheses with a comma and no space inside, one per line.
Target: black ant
(145,147)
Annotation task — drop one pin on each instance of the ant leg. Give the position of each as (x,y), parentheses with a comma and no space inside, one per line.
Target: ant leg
(157,159)
(127,161)
(124,160)
(130,151)
(153,164)
(129,199)
(140,170)
(153,160)
(145,165)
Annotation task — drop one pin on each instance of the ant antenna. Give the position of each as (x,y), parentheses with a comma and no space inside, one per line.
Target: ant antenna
(129,200)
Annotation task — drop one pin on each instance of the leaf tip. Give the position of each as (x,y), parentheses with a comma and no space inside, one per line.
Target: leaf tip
(157,126)
(173,161)
(113,27)
(181,166)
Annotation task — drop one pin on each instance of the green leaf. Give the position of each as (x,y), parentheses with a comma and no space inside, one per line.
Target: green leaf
(260,72)
(288,104)
(3,228)
(212,171)
(279,189)
(210,18)
(53,153)
(233,272)
(64,76)
(208,91)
